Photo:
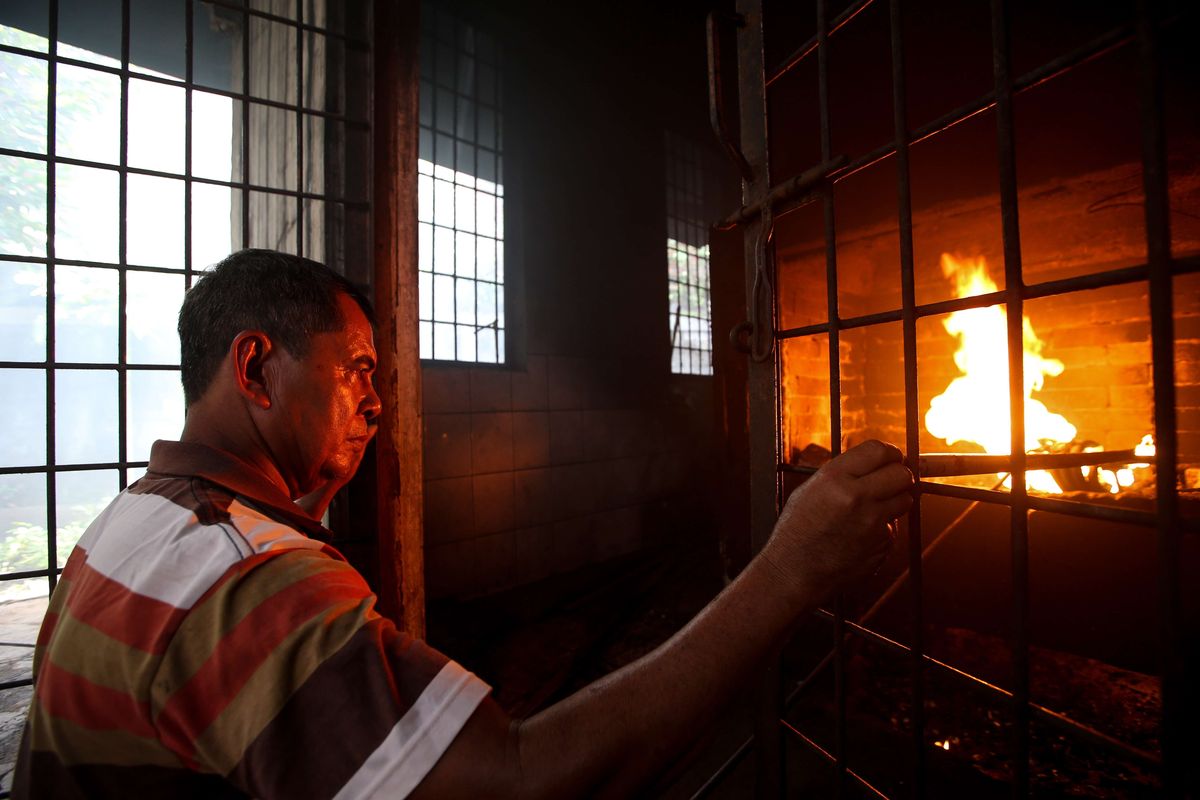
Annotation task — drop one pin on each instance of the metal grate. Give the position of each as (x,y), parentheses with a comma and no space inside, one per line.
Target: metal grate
(688,257)
(460,193)
(136,149)
(770,199)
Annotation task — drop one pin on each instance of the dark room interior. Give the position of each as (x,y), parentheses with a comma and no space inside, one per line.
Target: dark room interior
(639,271)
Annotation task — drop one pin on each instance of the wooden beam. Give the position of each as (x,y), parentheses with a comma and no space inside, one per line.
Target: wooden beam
(398,378)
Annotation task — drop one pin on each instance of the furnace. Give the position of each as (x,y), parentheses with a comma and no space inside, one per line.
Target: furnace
(977,234)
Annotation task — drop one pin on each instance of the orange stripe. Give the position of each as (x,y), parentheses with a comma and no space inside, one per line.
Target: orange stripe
(89,705)
(245,647)
(131,618)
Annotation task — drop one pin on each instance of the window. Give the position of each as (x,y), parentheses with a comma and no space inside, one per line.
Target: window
(460,193)
(126,169)
(688,218)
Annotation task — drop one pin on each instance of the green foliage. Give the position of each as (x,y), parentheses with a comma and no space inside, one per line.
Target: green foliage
(24,546)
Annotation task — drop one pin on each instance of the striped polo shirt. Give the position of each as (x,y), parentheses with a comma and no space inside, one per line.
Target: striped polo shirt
(203,642)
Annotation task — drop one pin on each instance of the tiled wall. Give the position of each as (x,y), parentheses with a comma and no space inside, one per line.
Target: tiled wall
(584,446)
(538,470)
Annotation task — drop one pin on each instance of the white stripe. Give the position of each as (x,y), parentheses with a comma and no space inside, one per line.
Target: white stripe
(264,534)
(420,738)
(159,549)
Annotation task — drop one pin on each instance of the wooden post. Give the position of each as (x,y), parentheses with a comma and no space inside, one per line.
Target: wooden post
(398,377)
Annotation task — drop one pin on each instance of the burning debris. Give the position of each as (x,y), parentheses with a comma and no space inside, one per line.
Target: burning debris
(974,408)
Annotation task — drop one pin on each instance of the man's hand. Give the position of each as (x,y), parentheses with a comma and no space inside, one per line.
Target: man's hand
(835,527)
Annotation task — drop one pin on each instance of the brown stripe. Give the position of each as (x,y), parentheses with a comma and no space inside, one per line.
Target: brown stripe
(41,775)
(209,502)
(248,584)
(229,703)
(340,715)
(75,744)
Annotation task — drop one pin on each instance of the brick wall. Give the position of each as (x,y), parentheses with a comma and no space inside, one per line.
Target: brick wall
(543,469)
(1087,223)
(585,446)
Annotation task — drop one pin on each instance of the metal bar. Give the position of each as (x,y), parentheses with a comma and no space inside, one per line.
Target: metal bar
(68,467)
(230,184)
(84,365)
(716,93)
(1176,716)
(123,249)
(183,84)
(762,383)
(51,235)
(245,129)
(912,419)
(299,109)
(835,373)
(28,573)
(879,603)
(806,49)
(1117,277)
(1055,505)
(16,684)
(189,75)
(851,773)
(799,186)
(1019,520)
(723,771)
(1055,718)
(1096,48)
(941,465)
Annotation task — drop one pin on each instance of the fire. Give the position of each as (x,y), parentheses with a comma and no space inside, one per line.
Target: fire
(975,407)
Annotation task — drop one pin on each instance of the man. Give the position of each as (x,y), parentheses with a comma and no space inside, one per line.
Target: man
(204,642)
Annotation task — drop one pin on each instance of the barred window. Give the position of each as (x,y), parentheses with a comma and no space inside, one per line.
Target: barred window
(688,218)
(126,169)
(460,193)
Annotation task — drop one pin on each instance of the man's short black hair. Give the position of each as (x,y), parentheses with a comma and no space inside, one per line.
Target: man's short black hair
(287,297)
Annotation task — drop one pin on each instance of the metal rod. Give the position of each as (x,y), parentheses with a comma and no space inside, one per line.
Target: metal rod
(1048,71)
(825,190)
(881,601)
(806,49)
(917,552)
(1176,717)
(1014,280)
(942,465)
(723,771)
(51,305)
(803,185)
(154,173)
(123,250)
(831,757)
(716,93)
(1055,718)
(189,66)
(1117,277)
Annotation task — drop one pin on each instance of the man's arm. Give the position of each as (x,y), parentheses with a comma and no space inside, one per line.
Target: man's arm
(611,737)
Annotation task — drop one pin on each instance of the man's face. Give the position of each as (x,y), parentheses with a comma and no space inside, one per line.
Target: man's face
(328,404)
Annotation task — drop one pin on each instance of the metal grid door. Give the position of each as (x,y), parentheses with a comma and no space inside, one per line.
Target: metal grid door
(767,199)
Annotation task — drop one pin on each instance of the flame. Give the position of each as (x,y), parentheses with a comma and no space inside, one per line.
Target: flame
(1118,479)
(975,407)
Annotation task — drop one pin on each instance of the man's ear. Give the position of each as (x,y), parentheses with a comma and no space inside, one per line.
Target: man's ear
(250,351)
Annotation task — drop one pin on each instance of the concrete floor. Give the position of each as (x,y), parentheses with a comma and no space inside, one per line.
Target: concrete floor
(19,623)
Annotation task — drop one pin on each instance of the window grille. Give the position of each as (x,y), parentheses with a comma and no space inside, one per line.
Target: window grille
(140,142)
(1037,734)
(688,217)
(460,193)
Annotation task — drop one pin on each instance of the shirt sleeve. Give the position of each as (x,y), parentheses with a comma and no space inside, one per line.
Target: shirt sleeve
(285,680)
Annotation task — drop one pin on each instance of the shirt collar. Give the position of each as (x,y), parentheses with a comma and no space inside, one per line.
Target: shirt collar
(192,459)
